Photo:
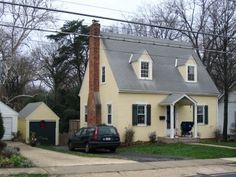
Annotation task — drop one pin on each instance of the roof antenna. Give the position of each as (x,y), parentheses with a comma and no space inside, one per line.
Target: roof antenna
(176,62)
(130,59)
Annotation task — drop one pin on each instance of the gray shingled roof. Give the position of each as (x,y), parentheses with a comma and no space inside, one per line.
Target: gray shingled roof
(173,98)
(166,77)
(28,109)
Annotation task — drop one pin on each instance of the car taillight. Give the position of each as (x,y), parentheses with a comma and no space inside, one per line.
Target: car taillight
(95,134)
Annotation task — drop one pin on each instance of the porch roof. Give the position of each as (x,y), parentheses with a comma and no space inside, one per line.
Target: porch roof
(172,99)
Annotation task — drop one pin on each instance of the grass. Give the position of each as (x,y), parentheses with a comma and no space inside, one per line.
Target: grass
(181,150)
(29,175)
(229,143)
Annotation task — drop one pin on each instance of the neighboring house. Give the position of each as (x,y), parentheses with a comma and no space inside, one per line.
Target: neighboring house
(40,119)
(9,121)
(147,84)
(231,110)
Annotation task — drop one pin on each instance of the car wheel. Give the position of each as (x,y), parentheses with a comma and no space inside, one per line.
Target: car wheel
(87,148)
(70,146)
(113,150)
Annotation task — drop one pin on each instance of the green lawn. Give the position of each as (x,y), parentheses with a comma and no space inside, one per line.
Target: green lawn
(181,150)
(229,143)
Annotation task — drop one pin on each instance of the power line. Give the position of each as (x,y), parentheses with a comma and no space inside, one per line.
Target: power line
(114,19)
(124,39)
(98,7)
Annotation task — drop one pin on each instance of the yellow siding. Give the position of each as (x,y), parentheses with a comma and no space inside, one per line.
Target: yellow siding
(183,113)
(207,131)
(183,70)
(84,91)
(125,102)
(109,90)
(122,106)
(136,65)
(22,127)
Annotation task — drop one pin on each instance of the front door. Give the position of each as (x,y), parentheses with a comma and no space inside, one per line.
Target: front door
(168,120)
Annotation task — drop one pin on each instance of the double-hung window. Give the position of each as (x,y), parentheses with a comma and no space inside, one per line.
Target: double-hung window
(202,114)
(109,114)
(192,73)
(145,69)
(141,114)
(103,72)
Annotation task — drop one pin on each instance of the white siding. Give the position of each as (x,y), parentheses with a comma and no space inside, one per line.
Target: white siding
(10,118)
(231,111)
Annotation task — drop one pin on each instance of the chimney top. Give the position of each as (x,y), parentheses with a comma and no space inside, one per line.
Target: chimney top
(95,21)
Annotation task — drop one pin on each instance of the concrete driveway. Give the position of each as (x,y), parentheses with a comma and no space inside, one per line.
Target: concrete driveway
(47,158)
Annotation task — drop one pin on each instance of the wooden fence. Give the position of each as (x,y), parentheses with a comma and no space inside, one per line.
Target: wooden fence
(74,125)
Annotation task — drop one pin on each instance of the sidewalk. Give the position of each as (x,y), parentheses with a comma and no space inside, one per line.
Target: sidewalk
(109,168)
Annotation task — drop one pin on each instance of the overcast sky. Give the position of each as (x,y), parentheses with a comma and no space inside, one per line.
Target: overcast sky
(108,8)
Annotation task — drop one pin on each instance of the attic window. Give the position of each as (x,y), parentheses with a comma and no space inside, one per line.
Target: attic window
(191,73)
(144,69)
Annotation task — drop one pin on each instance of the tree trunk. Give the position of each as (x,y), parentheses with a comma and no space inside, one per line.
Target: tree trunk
(225,127)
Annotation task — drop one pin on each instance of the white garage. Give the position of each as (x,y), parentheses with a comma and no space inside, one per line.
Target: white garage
(10,118)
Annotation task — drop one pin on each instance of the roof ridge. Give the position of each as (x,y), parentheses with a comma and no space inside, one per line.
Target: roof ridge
(145,38)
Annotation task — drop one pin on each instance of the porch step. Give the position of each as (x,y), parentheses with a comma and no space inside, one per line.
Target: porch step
(168,140)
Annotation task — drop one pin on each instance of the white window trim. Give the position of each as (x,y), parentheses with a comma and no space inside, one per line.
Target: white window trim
(149,70)
(110,114)
(103,66)
(201,123)
(195,73)
(145,115)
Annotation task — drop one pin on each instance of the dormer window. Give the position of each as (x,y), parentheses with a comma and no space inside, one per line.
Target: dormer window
(191,73)
(145,70)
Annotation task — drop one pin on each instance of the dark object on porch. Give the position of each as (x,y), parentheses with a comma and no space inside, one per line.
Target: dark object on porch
(186,127)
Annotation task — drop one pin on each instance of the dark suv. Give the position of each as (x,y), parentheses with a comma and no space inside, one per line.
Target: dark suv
(91,138)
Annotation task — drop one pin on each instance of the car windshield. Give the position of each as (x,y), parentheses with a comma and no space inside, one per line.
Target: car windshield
(107,130)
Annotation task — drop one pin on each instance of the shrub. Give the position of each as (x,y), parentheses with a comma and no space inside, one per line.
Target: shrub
(233,131)
(14,161)
(217,134)
(16,136)
(152,137)
(10,151)
(2,130)
(129,136)
(2,145)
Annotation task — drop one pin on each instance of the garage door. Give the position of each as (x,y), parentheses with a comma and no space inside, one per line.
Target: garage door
(45,131)
(7,122)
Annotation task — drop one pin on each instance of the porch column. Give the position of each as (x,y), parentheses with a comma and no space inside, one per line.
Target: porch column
(195,120)
(172,131)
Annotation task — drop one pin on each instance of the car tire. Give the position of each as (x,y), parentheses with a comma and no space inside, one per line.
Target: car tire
(87,148)
(70,146)
(113,150)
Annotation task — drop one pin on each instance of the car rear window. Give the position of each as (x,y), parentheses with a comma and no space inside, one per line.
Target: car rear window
(107,130)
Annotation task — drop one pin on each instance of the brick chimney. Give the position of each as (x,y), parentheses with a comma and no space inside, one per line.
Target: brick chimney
(94,104)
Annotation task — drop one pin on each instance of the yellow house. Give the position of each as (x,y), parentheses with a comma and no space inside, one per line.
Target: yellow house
(147,84)
(40,119)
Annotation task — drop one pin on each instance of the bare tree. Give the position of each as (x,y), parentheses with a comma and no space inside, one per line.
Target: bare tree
(12,38)
(54,70)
